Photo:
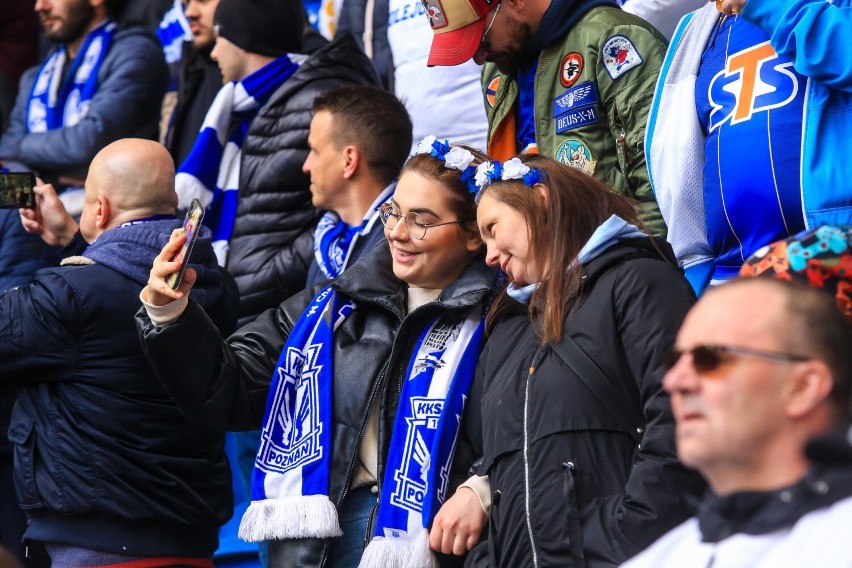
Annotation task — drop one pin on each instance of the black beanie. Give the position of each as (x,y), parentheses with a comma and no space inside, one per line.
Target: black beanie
(265,27)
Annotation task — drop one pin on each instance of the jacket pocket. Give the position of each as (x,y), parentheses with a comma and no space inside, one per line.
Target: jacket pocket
(572,511)
(22,435)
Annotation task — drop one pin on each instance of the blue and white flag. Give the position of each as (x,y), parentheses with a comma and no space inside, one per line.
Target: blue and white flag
(334,240)
(56,104)
(423,442)
(173,31)
(211,171)
(289,487)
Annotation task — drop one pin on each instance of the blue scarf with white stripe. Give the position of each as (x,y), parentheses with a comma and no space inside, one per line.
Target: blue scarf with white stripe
(211,171)
(334,240)
(54,105)
(423,442)
(289,487)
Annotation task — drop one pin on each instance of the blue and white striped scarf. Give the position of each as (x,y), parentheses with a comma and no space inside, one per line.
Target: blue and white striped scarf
(334,240)
(289,486)
(423,443)
(54,105)
(211,171)
(291,478)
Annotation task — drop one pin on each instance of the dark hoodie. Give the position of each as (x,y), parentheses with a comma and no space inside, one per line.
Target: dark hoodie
(103,458)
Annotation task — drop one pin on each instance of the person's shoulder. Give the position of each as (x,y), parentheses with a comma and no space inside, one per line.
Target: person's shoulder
(675,548)
(135,41)
(605,25)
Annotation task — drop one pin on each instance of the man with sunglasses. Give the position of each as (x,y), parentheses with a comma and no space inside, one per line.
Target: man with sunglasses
(570,79)
(761,368)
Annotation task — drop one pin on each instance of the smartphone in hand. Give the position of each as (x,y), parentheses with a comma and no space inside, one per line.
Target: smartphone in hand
(16,190)
(191,226)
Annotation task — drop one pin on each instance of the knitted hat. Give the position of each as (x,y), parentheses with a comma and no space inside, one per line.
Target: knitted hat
(458,27)
(821,258)
(265,27)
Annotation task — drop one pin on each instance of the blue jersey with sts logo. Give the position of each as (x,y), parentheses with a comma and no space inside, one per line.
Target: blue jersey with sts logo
(750,102)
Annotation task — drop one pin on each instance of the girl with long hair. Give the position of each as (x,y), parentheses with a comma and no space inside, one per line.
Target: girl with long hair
(578,460)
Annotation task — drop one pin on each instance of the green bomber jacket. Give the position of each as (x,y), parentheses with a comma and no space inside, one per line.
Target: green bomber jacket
(593,92)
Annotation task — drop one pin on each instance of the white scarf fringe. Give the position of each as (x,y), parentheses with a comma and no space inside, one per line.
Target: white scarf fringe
(399,553)
(311,516)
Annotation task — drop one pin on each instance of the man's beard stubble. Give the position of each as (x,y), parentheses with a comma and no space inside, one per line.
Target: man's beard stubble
(74,26)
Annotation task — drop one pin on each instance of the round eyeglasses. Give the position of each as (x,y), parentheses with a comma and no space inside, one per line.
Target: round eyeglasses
(415,224)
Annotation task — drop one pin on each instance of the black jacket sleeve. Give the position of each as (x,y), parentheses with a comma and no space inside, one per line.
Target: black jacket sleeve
(216,383)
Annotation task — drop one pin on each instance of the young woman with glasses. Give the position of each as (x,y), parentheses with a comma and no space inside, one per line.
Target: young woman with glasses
(359,385)
(578,461)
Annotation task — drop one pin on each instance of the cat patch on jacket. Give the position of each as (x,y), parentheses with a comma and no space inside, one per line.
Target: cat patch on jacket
(619,56)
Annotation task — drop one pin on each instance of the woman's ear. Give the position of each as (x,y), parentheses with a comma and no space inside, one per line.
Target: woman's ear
(542,190)
(473,240)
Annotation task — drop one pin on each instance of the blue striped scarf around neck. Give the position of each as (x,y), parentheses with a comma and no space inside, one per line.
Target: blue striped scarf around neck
(56,104)
(211,171)
(334,240)
(423,443)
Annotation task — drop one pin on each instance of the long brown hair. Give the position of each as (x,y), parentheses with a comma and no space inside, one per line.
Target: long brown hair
(557,228)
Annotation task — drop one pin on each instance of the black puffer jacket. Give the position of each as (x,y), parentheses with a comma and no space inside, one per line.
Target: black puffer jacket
(582,464)
(225,385)
(271,246)
(104,460)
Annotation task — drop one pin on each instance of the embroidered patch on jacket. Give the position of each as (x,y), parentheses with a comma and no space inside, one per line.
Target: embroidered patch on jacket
(582,95)
(435,11)
(491,90)
(576,154)
(576,119)
(572,66)
(619,56)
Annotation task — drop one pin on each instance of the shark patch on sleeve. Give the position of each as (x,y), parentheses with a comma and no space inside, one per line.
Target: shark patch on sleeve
(619,56)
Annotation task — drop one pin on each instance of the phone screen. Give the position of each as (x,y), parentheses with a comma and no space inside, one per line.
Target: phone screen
(16,190)
(191,226)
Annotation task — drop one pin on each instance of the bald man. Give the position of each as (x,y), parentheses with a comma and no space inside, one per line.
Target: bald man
(106,467)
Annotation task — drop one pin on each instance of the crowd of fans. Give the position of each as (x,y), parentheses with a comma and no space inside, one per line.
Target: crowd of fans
(556,283)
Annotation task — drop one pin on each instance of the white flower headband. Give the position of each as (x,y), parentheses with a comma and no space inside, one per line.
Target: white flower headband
(453,157)
(476,178)
(491,171)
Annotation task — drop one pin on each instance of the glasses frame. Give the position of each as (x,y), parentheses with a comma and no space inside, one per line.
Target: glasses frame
(709,357)
(386,211)
(482,42)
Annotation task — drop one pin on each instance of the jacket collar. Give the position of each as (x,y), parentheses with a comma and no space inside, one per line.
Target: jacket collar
(640,247)
(757,513)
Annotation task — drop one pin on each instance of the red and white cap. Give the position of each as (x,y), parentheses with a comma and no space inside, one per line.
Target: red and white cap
(458,27)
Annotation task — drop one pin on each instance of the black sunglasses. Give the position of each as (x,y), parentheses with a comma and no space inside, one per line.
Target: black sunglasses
(707,358)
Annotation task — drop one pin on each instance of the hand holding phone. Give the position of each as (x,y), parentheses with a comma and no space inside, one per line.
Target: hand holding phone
(191,227)
(16,190)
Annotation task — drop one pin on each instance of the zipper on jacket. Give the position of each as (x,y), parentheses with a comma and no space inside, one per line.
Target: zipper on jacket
(624,157)
(537,357)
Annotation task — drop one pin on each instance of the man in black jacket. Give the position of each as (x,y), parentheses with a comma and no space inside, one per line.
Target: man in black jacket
(107,468)
(267,219)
